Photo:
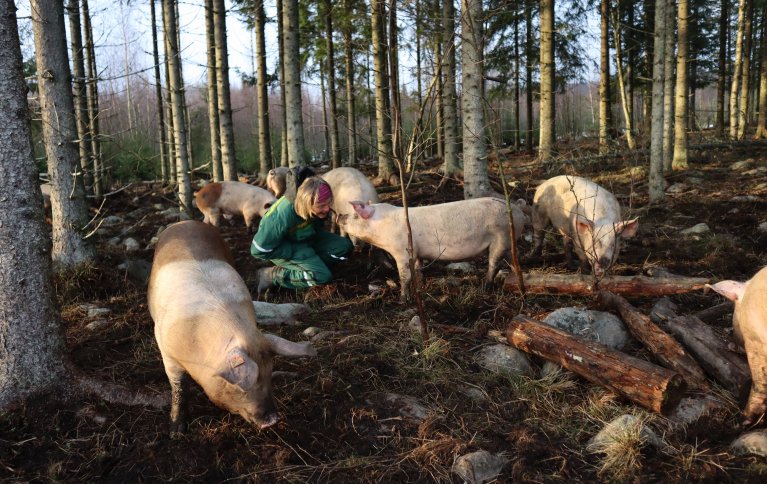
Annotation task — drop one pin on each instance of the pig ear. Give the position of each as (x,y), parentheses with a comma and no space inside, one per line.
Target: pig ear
(239,369)
(284,347)
(364,211)
(627,229)
(732,290)
(584,226)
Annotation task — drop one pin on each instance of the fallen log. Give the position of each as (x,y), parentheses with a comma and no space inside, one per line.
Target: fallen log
(665,348)
(709,315)
(656,388)
(583,285)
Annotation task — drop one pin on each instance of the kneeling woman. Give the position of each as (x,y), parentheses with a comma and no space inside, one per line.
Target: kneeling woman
(292,236)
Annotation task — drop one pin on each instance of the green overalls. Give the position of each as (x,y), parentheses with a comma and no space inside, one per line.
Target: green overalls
(301,249)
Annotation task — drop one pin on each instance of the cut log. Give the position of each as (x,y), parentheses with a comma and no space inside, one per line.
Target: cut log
(713,313)
(665,348)
(579,284)
(656,388)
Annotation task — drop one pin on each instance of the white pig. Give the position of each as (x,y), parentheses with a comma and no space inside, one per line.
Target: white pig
(587,215)
(448,231)
(205,327)
(749,322)
(275,180)
(348,185)
(233,198)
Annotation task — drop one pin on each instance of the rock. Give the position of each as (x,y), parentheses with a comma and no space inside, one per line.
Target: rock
(762,227)
(745,199)
(113,242)
(152,242)
(111,220)
(677,188)
(742,165)
(327,334)
(311,331)
(500,358)
(138,270)
(480,466)
(95,312)
(692,409)
(131,244)
(751,443)
(621,428)
(158,206)
(97,325)
(694,180)
(414,324)
(549,368)
(405,406)
(465,267)
(474,393)
(268,314)
(139,212)
(698,229)
(759,171)
(597,326)
(663,310)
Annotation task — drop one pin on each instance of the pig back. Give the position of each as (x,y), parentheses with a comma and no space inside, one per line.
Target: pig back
(190,240)
(349,185)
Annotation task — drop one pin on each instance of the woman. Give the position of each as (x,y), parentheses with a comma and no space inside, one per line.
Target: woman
(292,236)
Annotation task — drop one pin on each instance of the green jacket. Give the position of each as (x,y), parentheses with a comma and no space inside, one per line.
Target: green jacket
(280,230)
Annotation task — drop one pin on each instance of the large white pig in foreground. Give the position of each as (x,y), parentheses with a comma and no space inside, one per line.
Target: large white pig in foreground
(349,185)
(448,231)
(587,215)
(233,198)
(205,327)
(749,321)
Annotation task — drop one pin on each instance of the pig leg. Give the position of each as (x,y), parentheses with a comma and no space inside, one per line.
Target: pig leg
(213,217)
(539,224)
(495,254)
(403,267)
(757,362)
(179,390)
(249,217)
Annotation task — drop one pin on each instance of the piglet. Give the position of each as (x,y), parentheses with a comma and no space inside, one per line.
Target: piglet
(230,198)
(275,180)
(587,215)
(749,322)
(205,327)
(348,185)
(448,231)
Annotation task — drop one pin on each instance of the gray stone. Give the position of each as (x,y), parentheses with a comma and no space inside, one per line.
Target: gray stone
(480,466)
(113,242)
(697,229)
(663,310)
(597,326)
(759,171)
(500,358)
(677,188)
(745,199)
(97,325)
(620,427)
(111,220)
(742,165)
(763,227)
(414,324)
(694,180)
(311,331)
(268,314)
(131,244)
(138,270)
(751,443)
(406,406)
(95,312)
(466,267)
(692,409)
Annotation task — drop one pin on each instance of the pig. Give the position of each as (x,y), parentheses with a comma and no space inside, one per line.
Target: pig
(233,198)
(275,180)
(749,322)
(205,327)
(448,231)
(348,185)
(588,217)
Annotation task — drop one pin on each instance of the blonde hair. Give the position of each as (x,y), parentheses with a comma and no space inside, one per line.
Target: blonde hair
(307,195)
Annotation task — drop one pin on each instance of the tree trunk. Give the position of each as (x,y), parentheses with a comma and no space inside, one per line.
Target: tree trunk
(604,74)
(761,124)
(284,159)
(92,91)
(78,86)
(668,87)
(735,87)
(529,74)
(323,96)
(335,149)
(164,168)
(228,156)
(351,115)
(721,80)
(517,134)
(69,210)
(546,140)
(440,89)
(380,63)
(680,105)
(451,166)
(128,91)
(650,39)
(651,386)
(656,181)
(745,70)
(171,133)
(396,104)
(179,123)
(213,121)
(293,106)
(577,284)
(476,182)
(264,136)
(33,342)
(621,86)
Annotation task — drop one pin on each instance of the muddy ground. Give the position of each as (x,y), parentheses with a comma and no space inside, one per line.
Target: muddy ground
(336,425)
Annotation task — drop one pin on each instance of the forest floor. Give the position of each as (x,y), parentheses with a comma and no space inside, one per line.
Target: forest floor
(338,425)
